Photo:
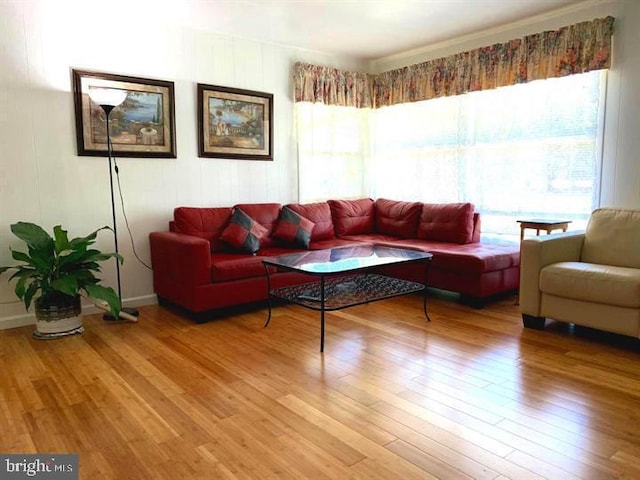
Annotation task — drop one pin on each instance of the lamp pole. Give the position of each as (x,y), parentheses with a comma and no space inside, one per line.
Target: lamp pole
(107,111)
(108,99)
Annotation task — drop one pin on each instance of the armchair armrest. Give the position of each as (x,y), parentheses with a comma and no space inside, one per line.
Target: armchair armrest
(537,253)
(182,258)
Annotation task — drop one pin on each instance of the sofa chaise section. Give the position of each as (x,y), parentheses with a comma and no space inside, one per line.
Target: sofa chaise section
(451,232)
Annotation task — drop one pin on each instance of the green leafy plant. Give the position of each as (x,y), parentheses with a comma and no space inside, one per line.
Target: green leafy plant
(56,267)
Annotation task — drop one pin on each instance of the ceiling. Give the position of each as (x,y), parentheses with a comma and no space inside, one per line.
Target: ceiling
(360,29)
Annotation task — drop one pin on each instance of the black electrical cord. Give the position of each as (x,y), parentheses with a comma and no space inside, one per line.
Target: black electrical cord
(124,215)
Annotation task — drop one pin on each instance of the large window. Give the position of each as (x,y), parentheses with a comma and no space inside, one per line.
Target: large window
(332,151)
(524,151)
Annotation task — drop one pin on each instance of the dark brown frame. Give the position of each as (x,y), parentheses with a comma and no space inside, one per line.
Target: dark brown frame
(207,149)
(84,109)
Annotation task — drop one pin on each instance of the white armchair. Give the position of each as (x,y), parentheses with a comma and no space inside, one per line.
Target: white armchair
(590,278)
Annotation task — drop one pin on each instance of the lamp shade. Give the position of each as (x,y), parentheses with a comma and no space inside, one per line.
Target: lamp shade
(107,96)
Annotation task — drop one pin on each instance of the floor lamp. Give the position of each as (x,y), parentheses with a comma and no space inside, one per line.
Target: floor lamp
(108,99)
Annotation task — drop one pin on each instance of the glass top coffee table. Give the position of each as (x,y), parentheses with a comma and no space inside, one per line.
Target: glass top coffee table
(344,277)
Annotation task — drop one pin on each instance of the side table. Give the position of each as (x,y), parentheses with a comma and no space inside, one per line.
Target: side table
(546,225)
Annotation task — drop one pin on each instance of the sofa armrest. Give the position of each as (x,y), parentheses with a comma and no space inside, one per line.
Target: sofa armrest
(182,258)
(537,253)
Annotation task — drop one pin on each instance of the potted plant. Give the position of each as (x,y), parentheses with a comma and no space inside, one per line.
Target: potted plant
(55,272)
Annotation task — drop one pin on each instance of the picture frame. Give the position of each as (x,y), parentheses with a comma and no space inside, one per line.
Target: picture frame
(142,126)
(234,123)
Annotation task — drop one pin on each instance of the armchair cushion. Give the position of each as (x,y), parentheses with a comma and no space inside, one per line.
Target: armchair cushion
(613,238)
(590,282)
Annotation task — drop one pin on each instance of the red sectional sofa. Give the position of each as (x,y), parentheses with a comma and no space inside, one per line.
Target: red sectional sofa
(206,261)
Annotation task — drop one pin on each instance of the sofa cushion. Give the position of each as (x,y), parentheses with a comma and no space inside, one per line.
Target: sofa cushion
(446,222)
(207,223)
(267,215)
(333,243)
(320,214)
(591,282)
(473,258)
(476,257)
(371,238)
(278,250)
(353,217)
(397,218)
(243,232)
(235,266)
(293,228)
(612,237)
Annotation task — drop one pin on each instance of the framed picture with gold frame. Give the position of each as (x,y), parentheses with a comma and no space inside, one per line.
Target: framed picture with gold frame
(234,123)
(142,126)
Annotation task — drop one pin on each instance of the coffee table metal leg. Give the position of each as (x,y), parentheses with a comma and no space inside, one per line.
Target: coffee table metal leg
(322,314)
(269,315)
(426,275)
(268,295)
(426,314)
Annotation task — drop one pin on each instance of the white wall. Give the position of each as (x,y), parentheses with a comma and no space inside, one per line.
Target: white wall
(43,180)
(621,149)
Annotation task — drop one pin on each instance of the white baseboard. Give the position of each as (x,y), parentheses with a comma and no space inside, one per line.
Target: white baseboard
(17,321)
(26,319)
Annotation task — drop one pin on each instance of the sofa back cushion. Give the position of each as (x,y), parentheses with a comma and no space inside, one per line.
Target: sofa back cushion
(477,226)
(353,217)
(396,218)
(267,215)
(612,238)
(207,223)
(446,222)
(320,214)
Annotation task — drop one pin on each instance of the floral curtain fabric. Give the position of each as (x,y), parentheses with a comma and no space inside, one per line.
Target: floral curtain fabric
(313,83)
(572,49)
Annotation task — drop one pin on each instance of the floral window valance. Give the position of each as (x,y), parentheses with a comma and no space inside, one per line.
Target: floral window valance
(573,49)
(313,83)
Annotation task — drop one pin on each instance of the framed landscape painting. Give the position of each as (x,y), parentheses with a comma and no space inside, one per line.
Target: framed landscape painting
(235,123)
(141,126)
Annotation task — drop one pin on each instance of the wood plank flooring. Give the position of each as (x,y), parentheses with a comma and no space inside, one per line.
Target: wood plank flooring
(471,395)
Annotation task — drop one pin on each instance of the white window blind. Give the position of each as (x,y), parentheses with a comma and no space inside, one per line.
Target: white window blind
(524,151)
(332,151)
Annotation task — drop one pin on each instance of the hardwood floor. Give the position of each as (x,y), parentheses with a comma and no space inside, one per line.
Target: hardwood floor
(469,395)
